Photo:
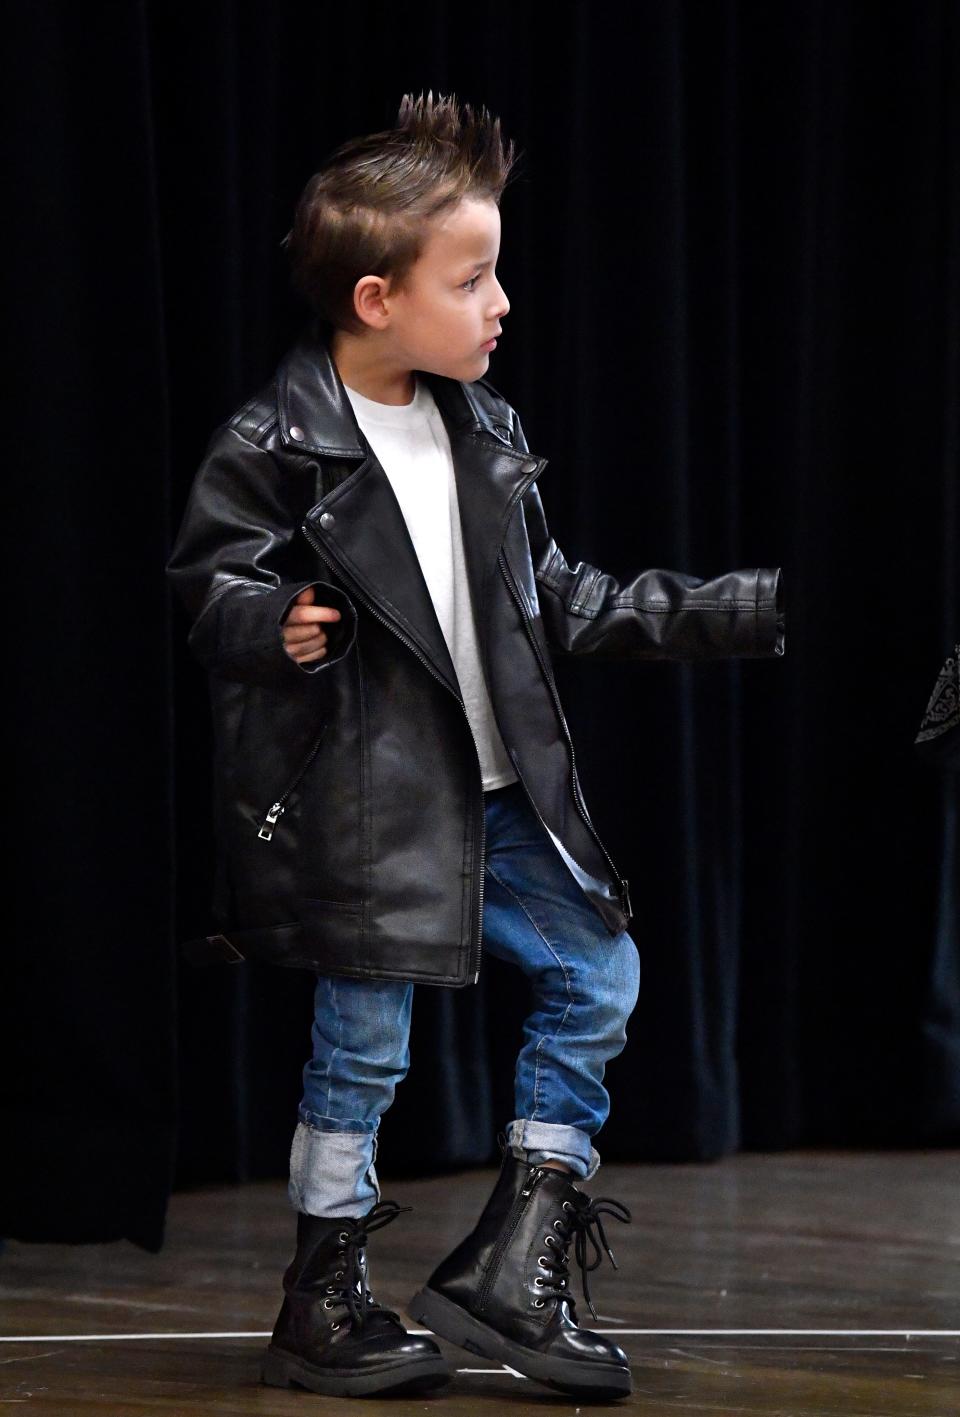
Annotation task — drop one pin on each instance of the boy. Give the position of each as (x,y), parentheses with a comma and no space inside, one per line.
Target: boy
(377,598)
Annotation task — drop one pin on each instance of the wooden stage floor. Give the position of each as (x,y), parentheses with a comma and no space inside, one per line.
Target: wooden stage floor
(801,1284)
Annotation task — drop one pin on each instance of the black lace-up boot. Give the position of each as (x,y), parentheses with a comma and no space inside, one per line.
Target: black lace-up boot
(331,1335)
(504,1291)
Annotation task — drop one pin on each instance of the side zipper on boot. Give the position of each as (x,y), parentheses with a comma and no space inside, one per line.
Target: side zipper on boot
(534,1176)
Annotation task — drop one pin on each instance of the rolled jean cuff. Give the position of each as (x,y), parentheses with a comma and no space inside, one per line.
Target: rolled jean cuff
(537,1142)
(332,1173)
(335,1124)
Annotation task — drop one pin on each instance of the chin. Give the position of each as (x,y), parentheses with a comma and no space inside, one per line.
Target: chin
(467,370)
(462,369)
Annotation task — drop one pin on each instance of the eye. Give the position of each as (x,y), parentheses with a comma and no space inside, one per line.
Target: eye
(471,283)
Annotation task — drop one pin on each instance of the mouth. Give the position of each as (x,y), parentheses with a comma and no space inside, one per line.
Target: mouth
(490,344)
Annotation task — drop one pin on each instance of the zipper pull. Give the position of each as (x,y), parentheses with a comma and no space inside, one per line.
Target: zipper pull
(533,1176)
(626,896)
(266,831)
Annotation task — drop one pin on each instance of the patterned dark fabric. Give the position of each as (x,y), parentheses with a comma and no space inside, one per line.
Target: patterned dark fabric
(938,740)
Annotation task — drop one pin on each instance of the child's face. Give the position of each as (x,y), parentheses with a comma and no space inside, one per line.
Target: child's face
(453,304)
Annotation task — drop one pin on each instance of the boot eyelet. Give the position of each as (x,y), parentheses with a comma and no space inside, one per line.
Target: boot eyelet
(558,1225)
(334,1327)
(539,1303)
(330,1289)
(549,1239)
(538,1282)
(567,1205)
(328,1304)
(339,1274)
(344,1236)
(543,1260)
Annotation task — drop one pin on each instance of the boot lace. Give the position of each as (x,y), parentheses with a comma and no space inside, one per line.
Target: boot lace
(583,1225)
(354,1292)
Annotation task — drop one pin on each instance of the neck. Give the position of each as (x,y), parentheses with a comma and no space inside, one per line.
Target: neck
(365,365)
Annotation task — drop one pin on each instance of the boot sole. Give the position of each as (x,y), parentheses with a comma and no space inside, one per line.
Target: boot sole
(279,1369)
(448,1320)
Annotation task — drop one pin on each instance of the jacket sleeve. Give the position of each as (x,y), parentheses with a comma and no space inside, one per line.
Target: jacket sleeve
(230,569)
(657,614)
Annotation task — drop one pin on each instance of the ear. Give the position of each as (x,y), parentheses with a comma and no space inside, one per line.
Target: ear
(369,300)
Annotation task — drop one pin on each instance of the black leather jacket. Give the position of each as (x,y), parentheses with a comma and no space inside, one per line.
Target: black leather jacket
(349,809)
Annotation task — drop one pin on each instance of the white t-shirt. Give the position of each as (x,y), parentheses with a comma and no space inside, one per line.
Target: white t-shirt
(411,444)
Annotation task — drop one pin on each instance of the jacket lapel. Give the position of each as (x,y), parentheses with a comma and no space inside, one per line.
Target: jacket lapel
(360,522)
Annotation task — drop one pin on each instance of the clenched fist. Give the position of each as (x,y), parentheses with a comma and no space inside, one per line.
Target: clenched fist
(304,637)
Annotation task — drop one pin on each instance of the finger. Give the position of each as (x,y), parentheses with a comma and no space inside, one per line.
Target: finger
(312,614)
(305,596)
(304,634)
(300,647)
(301,630)
(303,658)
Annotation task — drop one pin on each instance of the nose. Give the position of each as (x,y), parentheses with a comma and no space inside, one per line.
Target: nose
(502,306)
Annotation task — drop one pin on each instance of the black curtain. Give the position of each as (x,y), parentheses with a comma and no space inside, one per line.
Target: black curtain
(733,254)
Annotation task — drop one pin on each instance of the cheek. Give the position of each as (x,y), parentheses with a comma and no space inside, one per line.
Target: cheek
(452,319)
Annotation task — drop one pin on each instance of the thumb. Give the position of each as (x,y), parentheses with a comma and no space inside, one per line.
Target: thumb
(305,596)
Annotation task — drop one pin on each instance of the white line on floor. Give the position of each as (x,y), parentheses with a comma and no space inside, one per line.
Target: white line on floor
(499,1371)
(624,1332)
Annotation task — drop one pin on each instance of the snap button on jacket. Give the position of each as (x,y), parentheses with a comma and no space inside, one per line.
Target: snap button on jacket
(348,802)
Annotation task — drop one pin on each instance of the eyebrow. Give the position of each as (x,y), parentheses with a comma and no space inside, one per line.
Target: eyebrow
(476,265)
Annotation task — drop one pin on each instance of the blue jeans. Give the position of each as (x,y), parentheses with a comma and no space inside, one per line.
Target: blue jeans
(585,985)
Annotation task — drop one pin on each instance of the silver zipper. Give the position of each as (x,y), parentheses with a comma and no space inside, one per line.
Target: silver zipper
(279,807)
(622,884)
(270,821)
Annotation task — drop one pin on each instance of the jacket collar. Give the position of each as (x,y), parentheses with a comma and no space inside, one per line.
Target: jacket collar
(359,522)
(316,415)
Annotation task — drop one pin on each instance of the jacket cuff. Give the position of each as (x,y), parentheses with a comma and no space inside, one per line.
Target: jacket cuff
(248,634)
(340,633)
(771,619)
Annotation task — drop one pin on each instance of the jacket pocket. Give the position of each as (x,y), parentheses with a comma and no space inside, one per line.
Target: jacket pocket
(333,932)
